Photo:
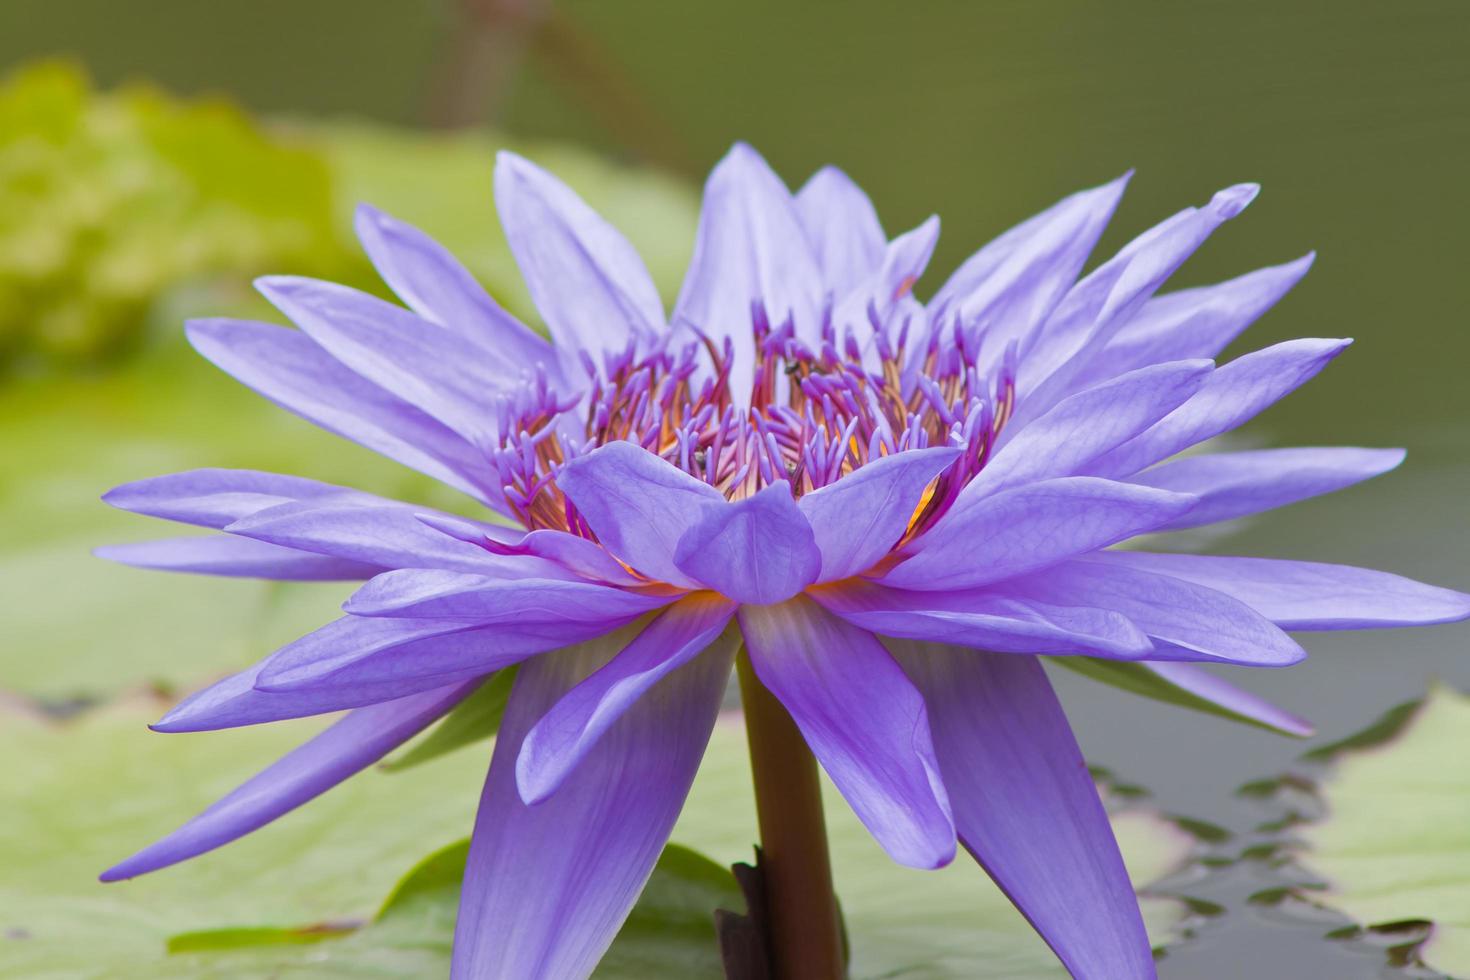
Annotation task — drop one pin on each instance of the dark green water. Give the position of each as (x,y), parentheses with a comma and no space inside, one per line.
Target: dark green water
(1354,116)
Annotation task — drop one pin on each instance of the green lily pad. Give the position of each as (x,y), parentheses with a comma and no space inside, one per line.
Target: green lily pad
(1394,843)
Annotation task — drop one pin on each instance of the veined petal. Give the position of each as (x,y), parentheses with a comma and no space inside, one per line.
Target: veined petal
(1233,395)
(221,554)
(292,370)
(1304,595)
(1005,624)
(586,279)
(345,749)
(1030,527)
(1026,808)
(858,519)
(760,549)
(904,261)
(217,497)
(436,594)
(1232,485)
(638,505)
(438,288)
(750,248)
(842,228)
(557,743)
(863,720)
(1186,621)
(547,887)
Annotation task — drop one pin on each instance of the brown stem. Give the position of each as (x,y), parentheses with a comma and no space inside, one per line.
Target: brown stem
(805,928)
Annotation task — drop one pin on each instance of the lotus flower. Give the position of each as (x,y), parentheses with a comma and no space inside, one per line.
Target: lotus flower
(891,507)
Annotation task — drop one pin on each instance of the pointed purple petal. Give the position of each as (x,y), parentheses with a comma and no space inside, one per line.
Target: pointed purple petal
(217,497)
(1222,693)
(842,228)
(547,887)
(1303,595)
(759,549)
(858,519)
(564,736)
(1026,808)
(343,750)
(863,720)
(904,261)
(1030,527)
(435,594)
(218,554)
(1232,485)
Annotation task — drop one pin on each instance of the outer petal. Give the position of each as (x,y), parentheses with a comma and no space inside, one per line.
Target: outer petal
(585,278)
(1234,394)
(435,286)
(981,619)
(759,549)
(219,554)
(1026,807)
(291,370)
(435,594)
(564,736)
(217,497)
(864,721)
(638,505)
(1232,485)
(343,750)
(1303,595)
(1186,621)
(547,887)
(842,228)
(1025,528)
(750,248)
(858,519)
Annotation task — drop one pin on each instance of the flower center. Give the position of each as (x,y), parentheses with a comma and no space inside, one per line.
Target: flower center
(814,415)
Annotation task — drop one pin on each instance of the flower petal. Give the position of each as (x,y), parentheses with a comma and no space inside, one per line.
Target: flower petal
(436,594)
(1030,527)
(1232,485)
(760,549)
(547,887)
(1004,624)
(218,554)
(858,519)
(892,282)
(290,369)
(1304,595)
(1234,394)
(863,720)
(1186,621)
(842,228)
(750,248)
(564,736)
(217,497)
(586,279)
(1026,807)
(438,288)
(637,504)
(345,749)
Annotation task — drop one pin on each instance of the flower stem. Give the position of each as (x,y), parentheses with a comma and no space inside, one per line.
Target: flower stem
(805,930)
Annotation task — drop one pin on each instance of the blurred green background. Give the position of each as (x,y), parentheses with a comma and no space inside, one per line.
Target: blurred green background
(215,142)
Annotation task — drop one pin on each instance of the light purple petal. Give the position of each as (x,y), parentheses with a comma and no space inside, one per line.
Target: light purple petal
(1005,624)
(858,519)
(1088,424)
(904,261)
(290,369)
(438,288)
(1232,485)
(863,720)
(217,554)
(750,248)
(547,887)
(1191,323)
(842,228)
(1303,595)
(587,559)
(1233,395)
(638,505)
(564,736)
(759,549)
(1185,620)
(586,279)
(1030,527)
(1221,692)
(1026,808)
(436,594)
(217,497)
(343,750)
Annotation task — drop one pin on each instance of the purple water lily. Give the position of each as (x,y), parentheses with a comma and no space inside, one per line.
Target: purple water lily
(888,507)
